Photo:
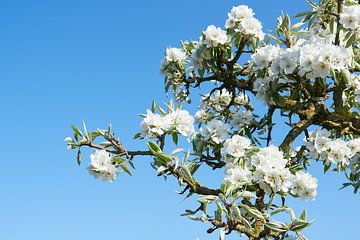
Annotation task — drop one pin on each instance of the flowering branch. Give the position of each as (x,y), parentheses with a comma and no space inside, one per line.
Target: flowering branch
(310,76)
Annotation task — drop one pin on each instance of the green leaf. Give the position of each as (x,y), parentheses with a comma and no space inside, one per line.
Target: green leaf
(153,106)
(297,25)
(219,209)
(162,111)
(279,100)
(277,226)
(85,130)
(244,194)
(298,225)
(222,234)
(163,158)
(76,130)
(125,168)
(237,212)
(348,35)
(208,198)
(351,40)
(333,74)
(301,14)
(175,138)
(79,157)
(153,147)
(327,167)
(346,75)
(303,215)
(252,211)
(137,135)
(176,151)
(94,134)
(279,210)
(186,171)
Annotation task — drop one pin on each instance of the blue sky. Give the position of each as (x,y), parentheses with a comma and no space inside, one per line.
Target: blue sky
(67,61)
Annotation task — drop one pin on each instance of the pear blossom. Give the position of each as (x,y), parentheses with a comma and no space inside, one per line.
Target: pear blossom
(350,17)
(182,122)
(261,87)
(235,146)
(354,146)
(217,101)
(214,37)
(271,172)
(241,118)
(241,20)
(153,125)
(237,175)
(251,26)
(201,116)
(304,185)
(214,131)
(264,56)
(101,166)
(175,55)
(338,152)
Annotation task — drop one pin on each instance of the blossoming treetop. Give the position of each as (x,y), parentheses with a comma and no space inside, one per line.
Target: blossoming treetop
(308,72)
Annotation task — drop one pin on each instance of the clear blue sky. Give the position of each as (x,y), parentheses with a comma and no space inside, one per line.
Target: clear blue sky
(67,61)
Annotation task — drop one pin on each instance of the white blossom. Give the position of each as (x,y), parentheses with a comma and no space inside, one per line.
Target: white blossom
(214,37)
(182,122)
(241,99)
(153,125)
(175,55)
(261,87)
(241,118)
(350,17)
(101,166)
(251,26)
(235,146)
(217,101)
(338,152)
(215,131)
(354,146)
(237,175)
(241,20)
(198,56)
(240,12)
(264,56)
(271,172)
(304,185)
(316,60)
(317,141)
(201,116)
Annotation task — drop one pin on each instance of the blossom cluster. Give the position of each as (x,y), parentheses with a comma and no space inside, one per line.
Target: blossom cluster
(196,56)
(241,20)
(172,62)
(309,59)
(212,105)
(262,87)
(234,148)
(214,37)
(180,121)
(102,167)
(266,167)
(337,151)
(214,131)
